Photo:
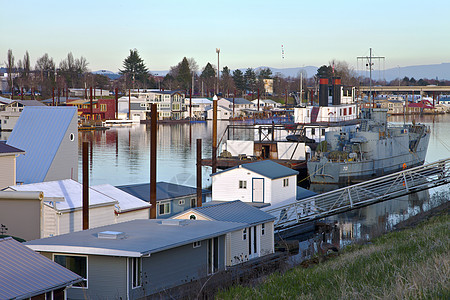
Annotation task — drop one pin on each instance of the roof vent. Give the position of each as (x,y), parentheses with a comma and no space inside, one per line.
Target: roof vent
(111,235)
(174,222)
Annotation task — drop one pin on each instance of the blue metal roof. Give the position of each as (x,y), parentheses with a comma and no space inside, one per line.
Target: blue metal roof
(235,211)
(303,193)
(25,273)
(266,168)
(164,190)
(39,132)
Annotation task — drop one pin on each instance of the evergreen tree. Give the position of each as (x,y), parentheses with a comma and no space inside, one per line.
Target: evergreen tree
(184,74)
(325,72)
(208,76)
(250,79)
(238,78)
(265,73)
(134,69)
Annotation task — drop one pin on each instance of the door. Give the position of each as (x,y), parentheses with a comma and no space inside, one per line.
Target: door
(258,189)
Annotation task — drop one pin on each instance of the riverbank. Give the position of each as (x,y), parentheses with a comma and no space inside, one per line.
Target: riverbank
(413,262)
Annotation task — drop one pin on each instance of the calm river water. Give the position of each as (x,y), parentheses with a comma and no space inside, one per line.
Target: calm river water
(121,156)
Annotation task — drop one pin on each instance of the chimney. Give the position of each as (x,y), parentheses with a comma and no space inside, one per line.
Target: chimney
(336,91)
(323,92)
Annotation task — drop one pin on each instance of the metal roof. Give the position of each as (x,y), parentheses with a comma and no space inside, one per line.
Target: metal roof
(233,211)
(142,237)
(39,131)
(303,193)
(29,102)
(25,273)
(70,190)
(265,168)
(239,101)
(7,149)
(164,190)
(126,201)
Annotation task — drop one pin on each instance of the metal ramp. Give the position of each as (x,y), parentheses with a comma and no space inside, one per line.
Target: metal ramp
(362,194)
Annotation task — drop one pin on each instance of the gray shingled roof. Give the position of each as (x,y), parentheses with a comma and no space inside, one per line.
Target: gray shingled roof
(266,168)
(142,237)
(25,273)
(234,211)
(164,190)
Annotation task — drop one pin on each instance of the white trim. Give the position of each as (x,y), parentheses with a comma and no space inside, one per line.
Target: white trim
(82,251)
(87,268)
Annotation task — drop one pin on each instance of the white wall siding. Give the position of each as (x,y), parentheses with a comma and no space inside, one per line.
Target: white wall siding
(267,240)
(99,216)
(50,220)
(238,247)
(7,170)
(133,215)
(225,186)
(280,193)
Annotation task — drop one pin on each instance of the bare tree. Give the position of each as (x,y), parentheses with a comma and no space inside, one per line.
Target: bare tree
(10,69)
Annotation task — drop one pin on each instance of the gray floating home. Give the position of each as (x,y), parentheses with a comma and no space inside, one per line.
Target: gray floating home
(139,258)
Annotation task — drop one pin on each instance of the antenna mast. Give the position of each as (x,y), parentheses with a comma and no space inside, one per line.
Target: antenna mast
(369,64)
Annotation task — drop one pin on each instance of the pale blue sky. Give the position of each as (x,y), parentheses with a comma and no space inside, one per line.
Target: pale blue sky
(249,33)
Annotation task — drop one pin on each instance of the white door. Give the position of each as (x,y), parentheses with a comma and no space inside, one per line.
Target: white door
(258,189)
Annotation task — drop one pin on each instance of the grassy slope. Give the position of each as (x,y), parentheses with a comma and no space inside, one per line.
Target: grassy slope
(409,264)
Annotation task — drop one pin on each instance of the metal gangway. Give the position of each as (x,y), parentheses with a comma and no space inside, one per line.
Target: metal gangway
(362,194)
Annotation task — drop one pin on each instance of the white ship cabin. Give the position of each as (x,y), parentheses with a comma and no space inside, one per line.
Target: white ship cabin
(255,240)
(261,183)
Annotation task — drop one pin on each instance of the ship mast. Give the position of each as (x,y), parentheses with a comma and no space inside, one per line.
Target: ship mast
(369,64)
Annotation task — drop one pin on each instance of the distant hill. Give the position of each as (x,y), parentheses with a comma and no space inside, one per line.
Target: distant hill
(439,71)
(109,74)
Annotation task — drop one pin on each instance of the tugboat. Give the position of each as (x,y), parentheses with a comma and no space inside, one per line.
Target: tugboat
(374,149)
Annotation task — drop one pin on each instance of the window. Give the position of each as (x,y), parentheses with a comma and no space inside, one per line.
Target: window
(244,234)
(285,182)
(263,229)
(242,184)
(76,264)
(192,217)
(164,208)
(349,110)
(323,131)
(193,202)
(102,107)
(136,266)
(197,244)
(181,202)
(313,131)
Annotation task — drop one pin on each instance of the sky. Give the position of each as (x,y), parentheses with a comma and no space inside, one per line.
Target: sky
(249,33)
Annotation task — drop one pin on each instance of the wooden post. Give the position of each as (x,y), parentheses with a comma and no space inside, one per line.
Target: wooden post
(214,141)
(85,186)
(154,116)
(199,172)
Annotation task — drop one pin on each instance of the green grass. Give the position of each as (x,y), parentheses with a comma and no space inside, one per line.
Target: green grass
(409,264)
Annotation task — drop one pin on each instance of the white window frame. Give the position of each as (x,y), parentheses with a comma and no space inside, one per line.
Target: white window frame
(244,234)
(263,229)
(135,285)
(181,202)
(285,182)
(243,184)
(86,280)
(197,244)
(164,204)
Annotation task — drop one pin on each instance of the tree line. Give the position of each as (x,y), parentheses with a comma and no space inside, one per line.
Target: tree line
(47,77)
